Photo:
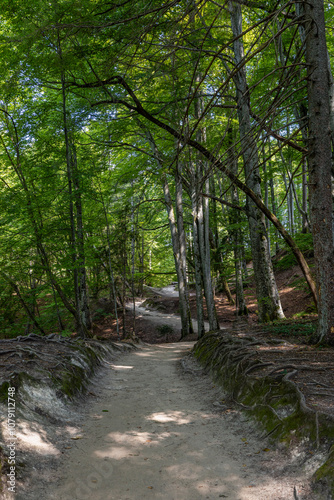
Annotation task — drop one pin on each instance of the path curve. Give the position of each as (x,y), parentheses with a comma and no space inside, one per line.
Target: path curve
(156,433)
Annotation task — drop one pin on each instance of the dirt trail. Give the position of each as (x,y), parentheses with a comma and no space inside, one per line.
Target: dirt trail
(158,318)
(154,432)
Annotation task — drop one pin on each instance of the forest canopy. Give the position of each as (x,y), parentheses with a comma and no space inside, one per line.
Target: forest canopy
(145,142)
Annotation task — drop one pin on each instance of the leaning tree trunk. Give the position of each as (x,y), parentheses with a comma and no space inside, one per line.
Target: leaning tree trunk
(319,145)
(269,304)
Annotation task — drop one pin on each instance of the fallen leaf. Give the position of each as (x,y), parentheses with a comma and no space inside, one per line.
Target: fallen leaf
(77,437)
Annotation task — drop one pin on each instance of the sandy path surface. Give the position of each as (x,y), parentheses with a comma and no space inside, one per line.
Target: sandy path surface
(154,432)
(158,318)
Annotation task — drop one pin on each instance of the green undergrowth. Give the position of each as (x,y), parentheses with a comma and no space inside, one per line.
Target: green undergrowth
(272,399)
(291,328)
(286,259)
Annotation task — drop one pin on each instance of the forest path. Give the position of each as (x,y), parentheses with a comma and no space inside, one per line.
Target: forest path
(155,432)
(160,318)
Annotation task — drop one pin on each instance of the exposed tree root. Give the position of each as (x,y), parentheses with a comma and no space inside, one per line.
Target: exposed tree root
(266,391)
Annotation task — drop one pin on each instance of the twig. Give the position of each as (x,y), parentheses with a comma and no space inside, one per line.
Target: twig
(273,430)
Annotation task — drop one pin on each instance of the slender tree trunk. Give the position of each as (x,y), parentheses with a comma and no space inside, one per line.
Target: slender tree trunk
(60,321)
(180,271)
(203,222)
(133,254)
(319,145)
(240,303)
(204,248)
(183,284)
(84,311)
(81,305)
(305,222)
(288,202)
(266,196)
(23,302)
(35,223)
(269,305)
(198,264)
(124,266)
(112,286)
(176,227)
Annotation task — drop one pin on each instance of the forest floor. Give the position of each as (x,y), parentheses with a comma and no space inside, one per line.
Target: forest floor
(152,430)
(157,321)
(149,429)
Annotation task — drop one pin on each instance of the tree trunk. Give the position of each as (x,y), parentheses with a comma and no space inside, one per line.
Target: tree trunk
(198,265)
(204,248)
(305,222)
(201,214)
(319,145)
(240,303)
(183,284)
(180,271)
(269,305)
(84,311)
(83,323)
(177,235)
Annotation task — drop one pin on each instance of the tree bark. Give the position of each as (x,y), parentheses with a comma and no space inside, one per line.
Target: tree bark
(83,322)
(201,215)
(197,262)
(240,303)
(183,284)
(269,304)
(319,144)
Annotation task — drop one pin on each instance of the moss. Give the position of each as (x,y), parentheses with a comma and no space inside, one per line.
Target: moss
(16,380)
(274,402)
(72,381)
(325,474)
(4,392)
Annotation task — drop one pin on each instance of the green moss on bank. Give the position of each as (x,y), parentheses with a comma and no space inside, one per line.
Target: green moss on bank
(273,400)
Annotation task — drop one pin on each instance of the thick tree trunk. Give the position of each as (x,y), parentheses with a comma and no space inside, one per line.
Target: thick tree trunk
(269,305)
(319,145)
